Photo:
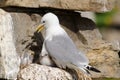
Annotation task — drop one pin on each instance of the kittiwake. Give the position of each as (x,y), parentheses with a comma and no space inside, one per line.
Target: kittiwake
(60,46)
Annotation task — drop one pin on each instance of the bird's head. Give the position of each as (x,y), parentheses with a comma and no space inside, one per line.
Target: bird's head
(48,20)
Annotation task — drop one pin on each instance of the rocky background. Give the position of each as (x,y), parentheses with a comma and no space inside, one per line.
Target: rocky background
(20,45)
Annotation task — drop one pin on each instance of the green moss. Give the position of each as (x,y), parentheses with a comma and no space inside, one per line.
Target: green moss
(106,79)
(111,79)
(105,19)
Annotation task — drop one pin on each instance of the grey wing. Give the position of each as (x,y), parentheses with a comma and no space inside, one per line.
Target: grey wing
(63,49)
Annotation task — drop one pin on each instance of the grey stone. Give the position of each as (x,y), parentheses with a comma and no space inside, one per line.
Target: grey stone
(9,59)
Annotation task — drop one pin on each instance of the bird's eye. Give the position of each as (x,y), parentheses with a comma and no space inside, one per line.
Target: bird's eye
(43,21)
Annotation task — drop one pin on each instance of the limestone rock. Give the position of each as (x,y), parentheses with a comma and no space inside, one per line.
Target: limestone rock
(9,59)
(106,60)
(40,72)
(86,5)
(112,36)
(93,39)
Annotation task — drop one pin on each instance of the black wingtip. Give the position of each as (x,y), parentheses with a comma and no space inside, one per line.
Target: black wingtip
(93,69)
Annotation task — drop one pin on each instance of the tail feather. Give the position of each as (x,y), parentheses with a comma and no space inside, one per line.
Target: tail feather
(82,72)
(93,69)
(79,73)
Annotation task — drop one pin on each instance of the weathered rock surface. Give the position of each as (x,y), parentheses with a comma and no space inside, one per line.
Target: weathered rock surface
(112,36)
(40,72)
(87,5)
(106,60)
(9,59)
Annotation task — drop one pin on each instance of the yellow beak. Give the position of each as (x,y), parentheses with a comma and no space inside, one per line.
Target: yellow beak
(39,28)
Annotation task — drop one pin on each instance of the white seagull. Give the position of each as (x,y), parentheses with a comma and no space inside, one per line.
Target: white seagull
(60,46)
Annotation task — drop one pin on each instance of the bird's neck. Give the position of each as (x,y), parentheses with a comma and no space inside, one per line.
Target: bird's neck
(54,31)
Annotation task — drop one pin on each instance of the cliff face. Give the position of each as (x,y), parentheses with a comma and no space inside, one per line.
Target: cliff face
(18,40)
(87,5)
